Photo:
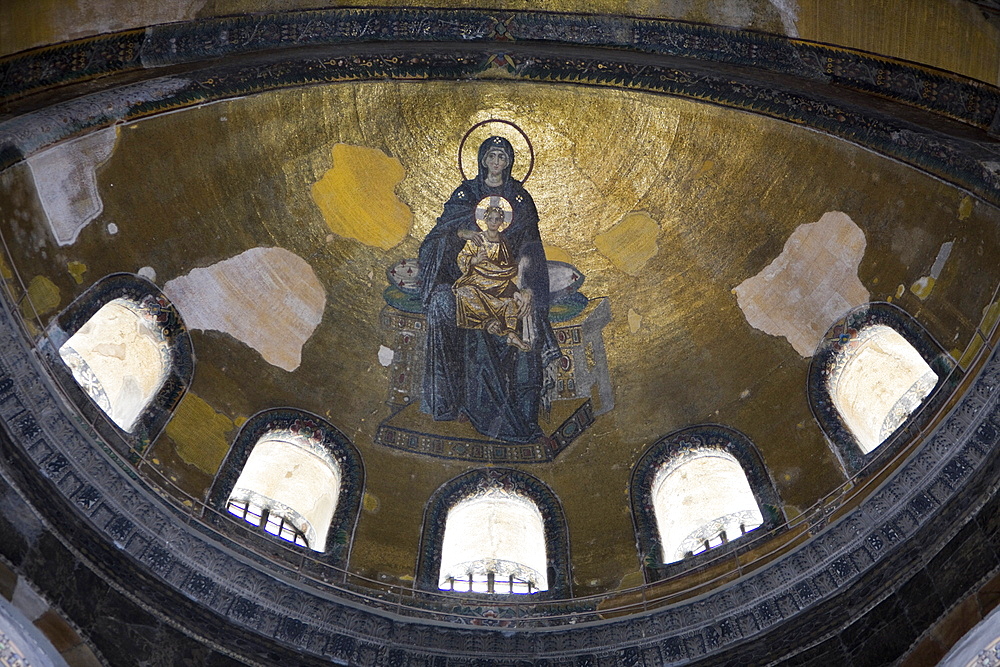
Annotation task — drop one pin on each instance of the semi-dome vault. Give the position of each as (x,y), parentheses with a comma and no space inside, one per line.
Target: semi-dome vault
(285,291)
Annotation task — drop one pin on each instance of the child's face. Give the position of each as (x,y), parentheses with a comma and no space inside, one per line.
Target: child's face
(493,219)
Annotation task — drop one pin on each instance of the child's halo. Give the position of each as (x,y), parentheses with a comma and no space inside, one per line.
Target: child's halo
(494,200)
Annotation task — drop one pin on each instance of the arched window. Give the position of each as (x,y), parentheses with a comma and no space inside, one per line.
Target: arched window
(878,380)
(121,350)
(494,532)
(698,490)
(120,357)
(870,377)
(294,476)
(289,486)
(494,542)
(702,499)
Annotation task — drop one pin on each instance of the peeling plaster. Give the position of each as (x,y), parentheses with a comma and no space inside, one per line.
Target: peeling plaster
(789,12)
(634,320)
(65,179)
(32,132)
(267,298)
(925,284)
(810,285)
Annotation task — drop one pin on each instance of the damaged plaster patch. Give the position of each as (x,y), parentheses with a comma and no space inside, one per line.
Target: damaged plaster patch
(43,298)
(634,321)
(385,355)
(789,12)
(925,284)
(267,298)
(31,132)
(965,207)
(76,269)
(557,254)
(65,178)
(810,285)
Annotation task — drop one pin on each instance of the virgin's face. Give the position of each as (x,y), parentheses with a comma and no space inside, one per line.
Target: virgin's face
(496,162)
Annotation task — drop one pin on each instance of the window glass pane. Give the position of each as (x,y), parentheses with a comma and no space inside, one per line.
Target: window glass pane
(878,380)
(496,532)
(297,480)
(699,496)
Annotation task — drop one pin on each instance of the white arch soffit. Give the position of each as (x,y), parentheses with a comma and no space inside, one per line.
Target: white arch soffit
(696,497)
(286,470)
(120,358)
(978,647)
(497,532)
(877,383)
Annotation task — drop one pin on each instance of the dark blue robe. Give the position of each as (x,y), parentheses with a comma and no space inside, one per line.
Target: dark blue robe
(471,371)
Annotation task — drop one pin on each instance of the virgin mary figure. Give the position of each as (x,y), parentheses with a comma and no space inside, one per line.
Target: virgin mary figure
(474,373)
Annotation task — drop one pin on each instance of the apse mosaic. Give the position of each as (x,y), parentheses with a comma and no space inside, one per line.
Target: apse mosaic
(453,276)
(497,354)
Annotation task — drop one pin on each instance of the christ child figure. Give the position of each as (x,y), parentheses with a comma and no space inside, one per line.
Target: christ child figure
(487,296)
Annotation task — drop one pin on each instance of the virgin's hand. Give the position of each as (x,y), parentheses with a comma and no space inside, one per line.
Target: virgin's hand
(470,235)
(524,304)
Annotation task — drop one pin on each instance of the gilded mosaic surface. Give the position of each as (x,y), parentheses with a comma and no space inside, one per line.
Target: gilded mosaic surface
(666,207)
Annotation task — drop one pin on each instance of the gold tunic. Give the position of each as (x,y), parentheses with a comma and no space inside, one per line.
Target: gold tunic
(485,292)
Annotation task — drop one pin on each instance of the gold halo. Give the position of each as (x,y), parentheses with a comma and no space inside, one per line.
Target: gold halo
(486,202)
(468,151)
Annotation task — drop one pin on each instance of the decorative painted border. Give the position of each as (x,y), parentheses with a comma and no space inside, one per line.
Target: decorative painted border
(927,88)
(822,364)
(702,436)
(514,481)
(343,451)
(154,418)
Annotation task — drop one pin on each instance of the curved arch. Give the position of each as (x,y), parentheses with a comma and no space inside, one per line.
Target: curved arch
(871,380)
(287,437)
(670,454)
(668,633)
(130,398)
(508,484)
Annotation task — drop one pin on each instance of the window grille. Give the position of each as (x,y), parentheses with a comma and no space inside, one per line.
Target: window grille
(273,523)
